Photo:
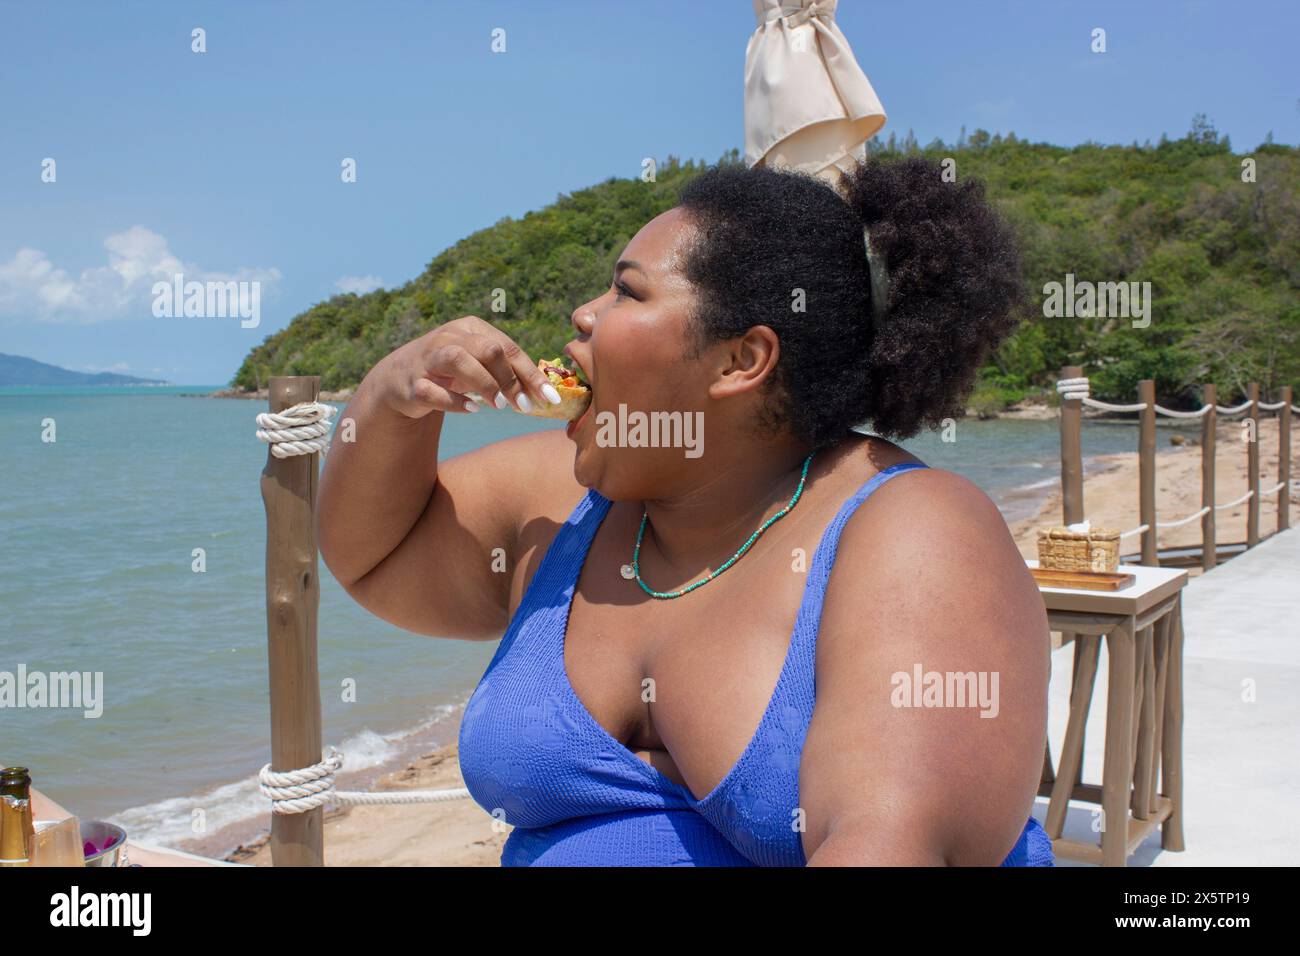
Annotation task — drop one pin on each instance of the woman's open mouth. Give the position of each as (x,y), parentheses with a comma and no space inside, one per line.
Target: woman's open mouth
(572,427)
(585,379)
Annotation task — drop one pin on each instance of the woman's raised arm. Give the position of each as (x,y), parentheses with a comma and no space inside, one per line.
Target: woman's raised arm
(382,480)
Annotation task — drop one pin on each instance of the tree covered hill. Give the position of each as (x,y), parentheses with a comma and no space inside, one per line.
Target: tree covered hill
(1222,256)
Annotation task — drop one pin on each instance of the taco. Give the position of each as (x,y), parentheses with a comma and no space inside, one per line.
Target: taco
(575,394)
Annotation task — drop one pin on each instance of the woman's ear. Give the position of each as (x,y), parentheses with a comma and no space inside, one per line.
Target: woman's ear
(746,362)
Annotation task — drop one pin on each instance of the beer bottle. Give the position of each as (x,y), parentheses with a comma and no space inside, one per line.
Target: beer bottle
(17,835)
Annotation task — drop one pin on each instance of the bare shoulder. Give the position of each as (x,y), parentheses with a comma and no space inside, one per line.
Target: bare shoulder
(937,530)
(927,581)
(930,502)
(927,569)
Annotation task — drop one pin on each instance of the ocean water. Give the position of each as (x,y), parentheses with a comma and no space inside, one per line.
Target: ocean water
(97,534)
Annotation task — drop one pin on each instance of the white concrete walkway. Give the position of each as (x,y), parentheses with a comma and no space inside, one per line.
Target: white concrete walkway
(1241,723)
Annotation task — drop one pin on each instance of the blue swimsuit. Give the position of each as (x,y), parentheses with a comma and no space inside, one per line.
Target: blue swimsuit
(533,756)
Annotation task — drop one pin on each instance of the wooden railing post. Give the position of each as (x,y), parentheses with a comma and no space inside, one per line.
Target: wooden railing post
(1147,472)
(292,600)
(1072,453)
(1071,512)
(1284,460)
(1252,466)
(1209,431)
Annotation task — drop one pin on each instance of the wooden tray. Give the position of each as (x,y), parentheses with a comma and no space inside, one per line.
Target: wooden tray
(1083,580)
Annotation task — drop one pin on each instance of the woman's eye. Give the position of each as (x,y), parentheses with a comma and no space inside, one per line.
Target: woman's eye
(623,290)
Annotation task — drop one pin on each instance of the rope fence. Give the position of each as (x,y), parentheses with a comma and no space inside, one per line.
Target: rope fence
(310,788)
(1077,388)
(1074,390)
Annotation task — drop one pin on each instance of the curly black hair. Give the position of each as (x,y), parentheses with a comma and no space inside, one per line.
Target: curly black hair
(768,240)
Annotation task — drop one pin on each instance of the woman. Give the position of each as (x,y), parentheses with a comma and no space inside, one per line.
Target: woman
(711,660)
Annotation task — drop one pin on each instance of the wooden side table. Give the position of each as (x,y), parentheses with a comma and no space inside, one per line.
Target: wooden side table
(1143,630)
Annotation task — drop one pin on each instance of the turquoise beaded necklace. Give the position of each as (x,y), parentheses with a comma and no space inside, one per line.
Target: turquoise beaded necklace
(634,569)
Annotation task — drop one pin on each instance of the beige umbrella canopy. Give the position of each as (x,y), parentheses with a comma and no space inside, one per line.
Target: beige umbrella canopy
(808,105)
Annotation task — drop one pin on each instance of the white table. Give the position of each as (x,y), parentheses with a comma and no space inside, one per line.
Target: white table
(1142,627)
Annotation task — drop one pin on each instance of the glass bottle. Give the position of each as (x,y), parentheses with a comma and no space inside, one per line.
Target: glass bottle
(17,835)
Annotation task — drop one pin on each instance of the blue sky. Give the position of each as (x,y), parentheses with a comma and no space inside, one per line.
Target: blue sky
(228,162)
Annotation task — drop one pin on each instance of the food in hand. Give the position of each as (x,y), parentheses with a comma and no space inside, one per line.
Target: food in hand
(575,395)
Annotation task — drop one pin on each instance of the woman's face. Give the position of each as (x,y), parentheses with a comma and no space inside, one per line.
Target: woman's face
(631,342)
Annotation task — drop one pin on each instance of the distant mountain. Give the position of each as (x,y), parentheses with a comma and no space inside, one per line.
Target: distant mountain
(16,370)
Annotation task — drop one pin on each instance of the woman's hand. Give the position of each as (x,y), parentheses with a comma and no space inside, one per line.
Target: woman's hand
(438,371)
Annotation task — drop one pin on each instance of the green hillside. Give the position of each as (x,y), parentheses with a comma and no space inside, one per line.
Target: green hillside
(1222,257)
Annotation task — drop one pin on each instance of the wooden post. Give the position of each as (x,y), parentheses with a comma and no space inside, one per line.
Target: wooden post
(1072,512)
(1147,472)
(292,599)
(1209,430)
(1284,460)
(1117,766)
(1171,738)
(1252,467)
(1072,453)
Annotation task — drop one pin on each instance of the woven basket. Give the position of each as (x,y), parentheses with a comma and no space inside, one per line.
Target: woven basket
(1060,549)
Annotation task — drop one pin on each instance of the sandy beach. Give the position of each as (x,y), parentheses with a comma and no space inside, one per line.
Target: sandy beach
(459,833)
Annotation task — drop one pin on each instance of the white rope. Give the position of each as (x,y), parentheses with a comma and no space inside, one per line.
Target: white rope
(1107,406)
(359,798)
(1069,388)
(1183,521)
(298,430)
(1204,511)
(1235,410)
(297,791)
(1161,410)
(1077,388)
(1233,504)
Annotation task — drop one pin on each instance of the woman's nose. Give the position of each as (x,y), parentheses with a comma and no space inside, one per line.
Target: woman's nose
(584,319)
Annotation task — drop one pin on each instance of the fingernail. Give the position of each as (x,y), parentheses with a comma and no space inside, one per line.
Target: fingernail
(500,401)
(524,403)
(471,406)
(549,391)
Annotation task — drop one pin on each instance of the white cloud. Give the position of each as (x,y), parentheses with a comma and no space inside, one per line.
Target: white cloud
(33,287)
(358,284)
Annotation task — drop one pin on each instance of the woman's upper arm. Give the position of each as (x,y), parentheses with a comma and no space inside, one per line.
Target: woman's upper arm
(927,581)
(451,575)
